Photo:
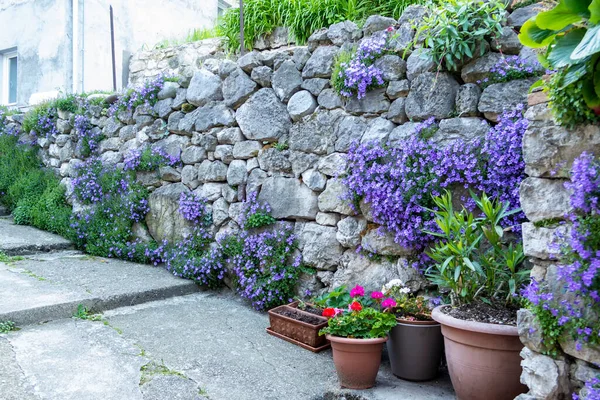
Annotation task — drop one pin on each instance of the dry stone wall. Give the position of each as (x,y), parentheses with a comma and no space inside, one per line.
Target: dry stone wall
(270,123)
(549,151)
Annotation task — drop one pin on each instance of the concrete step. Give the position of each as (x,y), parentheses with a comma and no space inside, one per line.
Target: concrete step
(18,240)
(50,286)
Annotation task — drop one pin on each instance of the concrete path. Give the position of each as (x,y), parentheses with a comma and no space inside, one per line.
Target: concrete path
(19,239)
(159,338)
(50,286)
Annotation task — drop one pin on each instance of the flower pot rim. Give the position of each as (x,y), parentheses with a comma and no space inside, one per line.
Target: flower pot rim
(276,315)
(482,327)
(346,340)
(417,323)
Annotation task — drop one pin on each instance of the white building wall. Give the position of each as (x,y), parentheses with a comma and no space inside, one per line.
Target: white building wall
(43,32)
(40,31)
(138,23)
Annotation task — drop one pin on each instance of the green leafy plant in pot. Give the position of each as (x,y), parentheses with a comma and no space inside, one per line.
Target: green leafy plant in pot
(482,267)
(570,35)
(357,333)
(415,344)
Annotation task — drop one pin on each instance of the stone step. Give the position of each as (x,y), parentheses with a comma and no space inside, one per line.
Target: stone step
(18,240)
(50,286)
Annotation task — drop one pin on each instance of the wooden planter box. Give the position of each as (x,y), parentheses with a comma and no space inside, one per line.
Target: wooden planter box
(298,332)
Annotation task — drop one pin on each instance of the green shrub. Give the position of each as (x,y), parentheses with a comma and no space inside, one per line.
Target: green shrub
(301,17)
(475,258)
(194,35)
(68,103)
(456,30)
(40,119)
(33,194)
(570,35)
(342,59)
(567,103)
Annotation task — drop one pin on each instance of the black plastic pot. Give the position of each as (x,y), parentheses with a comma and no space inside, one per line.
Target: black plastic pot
(415,349)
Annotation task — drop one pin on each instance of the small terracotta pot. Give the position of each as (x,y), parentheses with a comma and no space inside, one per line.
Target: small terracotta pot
(415,349)
(356,360)
(483,359)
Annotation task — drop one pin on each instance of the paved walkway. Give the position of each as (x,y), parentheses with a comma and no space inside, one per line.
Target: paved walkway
(159,338)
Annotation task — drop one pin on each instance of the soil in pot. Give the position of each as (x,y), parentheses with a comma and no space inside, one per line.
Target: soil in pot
(483,312)
(483,358)
(298,316)
(312,310)
(415,349)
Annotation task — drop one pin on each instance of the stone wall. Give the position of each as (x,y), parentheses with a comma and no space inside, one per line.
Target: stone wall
(549,151)
(270,123)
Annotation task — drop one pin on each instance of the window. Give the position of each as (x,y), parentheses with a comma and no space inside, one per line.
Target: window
(9,77)
(222,5)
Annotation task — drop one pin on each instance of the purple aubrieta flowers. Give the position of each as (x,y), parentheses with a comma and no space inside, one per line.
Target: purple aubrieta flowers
(591,390)
(359,74)
(7,128)
(398,181)
(265,272)
(149,159)
(146,94)
(511,68)
(579,275)
(88,138)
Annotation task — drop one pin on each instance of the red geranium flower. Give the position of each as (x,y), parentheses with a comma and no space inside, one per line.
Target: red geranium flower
(329,312)
(355,306)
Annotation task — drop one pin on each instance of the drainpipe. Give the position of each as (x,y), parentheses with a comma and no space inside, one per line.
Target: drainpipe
(82,44)
(77,42)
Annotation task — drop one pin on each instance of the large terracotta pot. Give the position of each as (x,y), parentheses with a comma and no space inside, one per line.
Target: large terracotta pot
(483,359)
(356,360)
(415,349)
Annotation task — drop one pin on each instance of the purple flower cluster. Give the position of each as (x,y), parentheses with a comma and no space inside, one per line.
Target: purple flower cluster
(146,94)
(86,183)
(88,137)
(359,74)
(6,127)
(579,275)
(46,125)
(398,182)
(149,159)
(254,214)
(262,270)
(508,69)
(585,184)
(591,389)
(505,166)
(193,208)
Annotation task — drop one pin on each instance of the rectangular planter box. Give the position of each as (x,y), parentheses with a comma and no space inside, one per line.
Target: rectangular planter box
(298,331)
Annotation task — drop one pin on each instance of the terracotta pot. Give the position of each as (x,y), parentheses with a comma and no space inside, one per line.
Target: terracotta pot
(415,349)
(483,359)
(356,360)
(299,331)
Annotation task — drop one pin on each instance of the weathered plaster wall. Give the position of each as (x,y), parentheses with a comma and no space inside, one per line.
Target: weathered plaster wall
(41,31)
(138,23)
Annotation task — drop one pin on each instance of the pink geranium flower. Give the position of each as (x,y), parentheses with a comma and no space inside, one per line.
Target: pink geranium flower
(376,295)
(358,291)
(388,303)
